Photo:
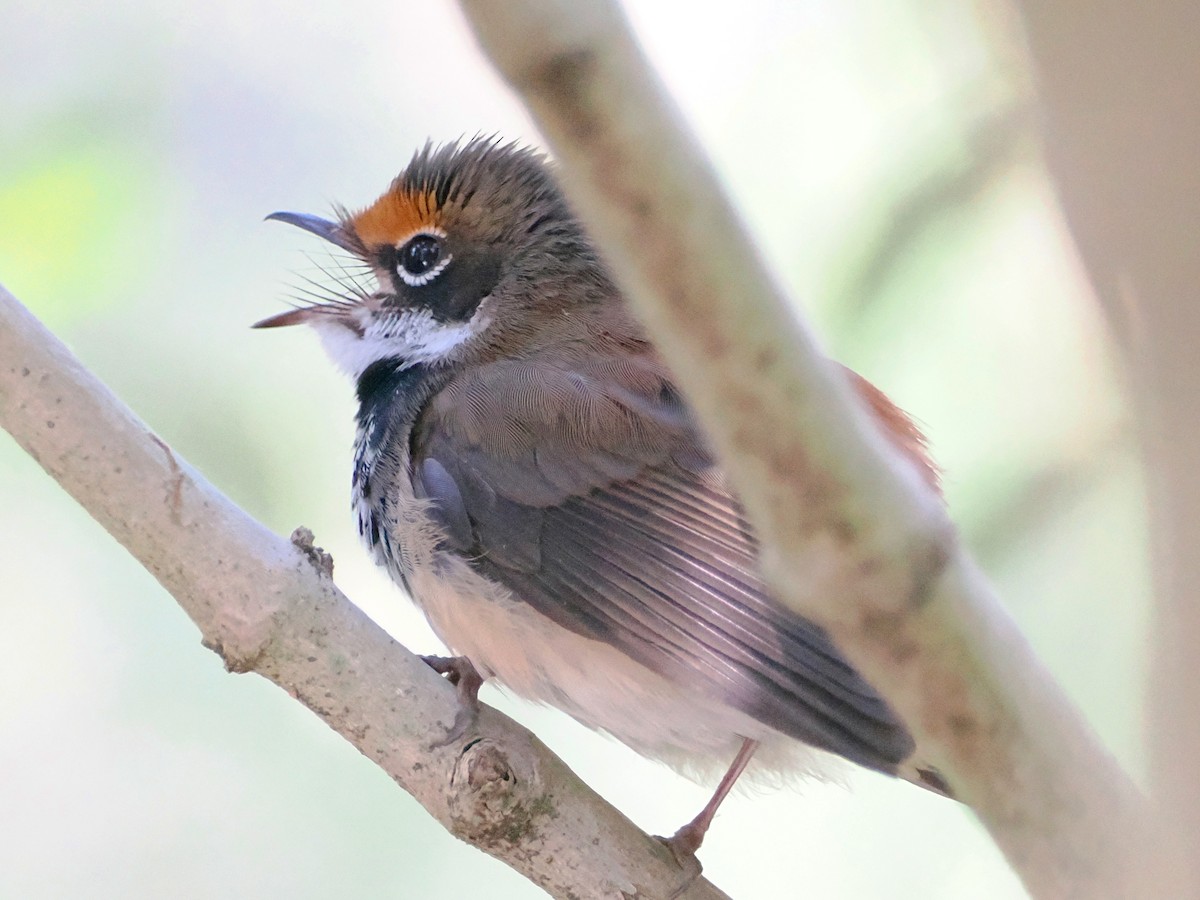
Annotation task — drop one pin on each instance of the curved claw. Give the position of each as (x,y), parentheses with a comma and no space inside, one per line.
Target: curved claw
(461,673)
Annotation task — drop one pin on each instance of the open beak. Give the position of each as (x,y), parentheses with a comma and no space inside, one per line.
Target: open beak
(322,228)
(290,317)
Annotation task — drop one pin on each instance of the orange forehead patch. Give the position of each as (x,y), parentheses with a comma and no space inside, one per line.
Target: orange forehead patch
(394,217)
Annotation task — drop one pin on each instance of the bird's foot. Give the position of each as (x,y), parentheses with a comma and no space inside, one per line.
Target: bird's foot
(461,673)
(683,845)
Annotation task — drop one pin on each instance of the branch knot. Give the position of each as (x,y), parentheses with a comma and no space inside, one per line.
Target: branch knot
(489,803)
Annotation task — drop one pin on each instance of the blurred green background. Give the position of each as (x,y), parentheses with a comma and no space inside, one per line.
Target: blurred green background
(881,150)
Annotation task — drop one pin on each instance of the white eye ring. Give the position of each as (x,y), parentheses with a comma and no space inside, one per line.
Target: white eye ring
(425,277)
(418,279)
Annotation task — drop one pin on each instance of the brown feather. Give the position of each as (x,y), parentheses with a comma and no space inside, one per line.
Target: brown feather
(900,428)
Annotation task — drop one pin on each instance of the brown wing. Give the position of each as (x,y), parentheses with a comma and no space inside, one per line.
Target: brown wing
(590,494)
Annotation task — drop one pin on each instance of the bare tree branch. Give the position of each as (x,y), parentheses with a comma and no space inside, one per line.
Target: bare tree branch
(850,536)
(270,608)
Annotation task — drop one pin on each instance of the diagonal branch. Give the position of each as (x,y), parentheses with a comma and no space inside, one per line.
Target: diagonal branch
(268,607)
(851,538)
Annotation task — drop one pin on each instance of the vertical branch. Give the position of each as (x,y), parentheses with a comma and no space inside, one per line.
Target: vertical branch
(1120,85)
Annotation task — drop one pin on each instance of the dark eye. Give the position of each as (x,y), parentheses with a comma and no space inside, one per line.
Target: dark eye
(421,259)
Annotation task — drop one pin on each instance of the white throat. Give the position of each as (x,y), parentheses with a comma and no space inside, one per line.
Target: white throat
(412,335)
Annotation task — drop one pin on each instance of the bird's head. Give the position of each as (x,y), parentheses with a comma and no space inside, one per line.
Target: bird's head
(474,254)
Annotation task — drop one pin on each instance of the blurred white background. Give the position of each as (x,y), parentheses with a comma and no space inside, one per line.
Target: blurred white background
(880,150)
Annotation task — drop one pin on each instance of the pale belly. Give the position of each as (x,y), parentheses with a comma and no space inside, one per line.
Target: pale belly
(596,684)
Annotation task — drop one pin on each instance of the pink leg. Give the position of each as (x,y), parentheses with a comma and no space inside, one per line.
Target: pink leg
(687,840)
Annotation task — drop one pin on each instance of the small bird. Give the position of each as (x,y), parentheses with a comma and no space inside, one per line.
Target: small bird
(527,468)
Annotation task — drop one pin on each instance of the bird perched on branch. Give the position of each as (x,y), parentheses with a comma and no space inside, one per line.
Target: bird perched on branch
(527,468)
